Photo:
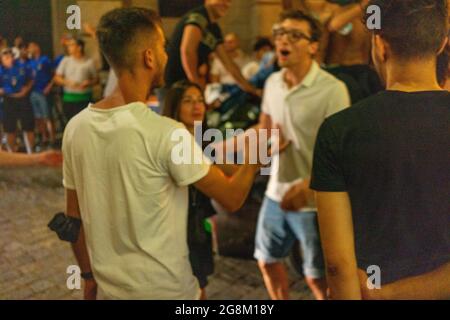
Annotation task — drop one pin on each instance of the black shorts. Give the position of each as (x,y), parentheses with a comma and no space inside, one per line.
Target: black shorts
(18,109)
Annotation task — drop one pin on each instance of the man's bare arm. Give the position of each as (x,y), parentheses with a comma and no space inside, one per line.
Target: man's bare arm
(190,42)
(336,232)
(79,247)
(49,158)
(230,192)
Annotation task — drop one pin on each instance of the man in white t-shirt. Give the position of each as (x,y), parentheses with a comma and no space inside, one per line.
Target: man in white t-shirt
(123,182)
(297,99)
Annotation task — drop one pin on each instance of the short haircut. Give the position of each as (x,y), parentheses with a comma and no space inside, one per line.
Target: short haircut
(119,31)
(262,43)
(314,25)
(412,28)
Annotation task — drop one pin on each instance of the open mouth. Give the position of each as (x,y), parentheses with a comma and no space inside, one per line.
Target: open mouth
(284,53)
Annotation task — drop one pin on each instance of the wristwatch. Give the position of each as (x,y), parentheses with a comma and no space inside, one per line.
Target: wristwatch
(87,275)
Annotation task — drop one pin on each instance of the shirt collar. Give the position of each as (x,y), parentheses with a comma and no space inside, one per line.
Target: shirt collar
(309,79)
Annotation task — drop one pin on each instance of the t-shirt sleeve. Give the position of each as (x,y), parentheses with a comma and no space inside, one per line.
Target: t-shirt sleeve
(339,99)
(198,20)
(68,177)
(186,162)
(217,32)
(327,172)
(60,70)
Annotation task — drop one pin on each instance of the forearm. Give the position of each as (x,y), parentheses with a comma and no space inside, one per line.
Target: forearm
(81,253)
(59,80)
(431,286)
(190,65)
(18,159)
(239,186)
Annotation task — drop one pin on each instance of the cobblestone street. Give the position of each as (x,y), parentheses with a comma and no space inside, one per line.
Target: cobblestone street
(33,261)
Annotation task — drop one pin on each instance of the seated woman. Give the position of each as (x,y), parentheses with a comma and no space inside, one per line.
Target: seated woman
(184,102)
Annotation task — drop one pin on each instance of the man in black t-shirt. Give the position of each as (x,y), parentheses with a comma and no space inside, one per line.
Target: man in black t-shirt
(196,36)
(381,168)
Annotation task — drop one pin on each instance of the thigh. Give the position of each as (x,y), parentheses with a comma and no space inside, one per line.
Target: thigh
(26,114)
(274,239)
(305,227)
(10,115)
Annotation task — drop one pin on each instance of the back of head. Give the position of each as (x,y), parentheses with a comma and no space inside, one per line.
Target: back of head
(414,29)
(121,31)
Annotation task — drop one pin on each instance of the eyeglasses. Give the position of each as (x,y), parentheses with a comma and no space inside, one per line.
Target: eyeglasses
(293,35)
(193,101)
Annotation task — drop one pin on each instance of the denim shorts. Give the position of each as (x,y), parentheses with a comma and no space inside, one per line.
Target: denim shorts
(40,105)
(277,232)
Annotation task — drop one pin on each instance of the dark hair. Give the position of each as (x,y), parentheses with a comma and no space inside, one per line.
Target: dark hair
(413,28)
(118,31)
(81,44)
(314,25)
(261,43)
(443,65)
(172,100)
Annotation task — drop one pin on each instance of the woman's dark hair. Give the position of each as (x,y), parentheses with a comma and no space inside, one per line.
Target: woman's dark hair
(172,101)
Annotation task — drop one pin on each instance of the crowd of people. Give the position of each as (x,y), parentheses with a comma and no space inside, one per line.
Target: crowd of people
(359,165)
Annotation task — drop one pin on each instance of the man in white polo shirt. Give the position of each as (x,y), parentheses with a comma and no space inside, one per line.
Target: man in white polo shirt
(123,181)
(297,99)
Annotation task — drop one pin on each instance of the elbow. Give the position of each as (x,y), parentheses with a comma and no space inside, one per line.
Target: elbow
(340,268)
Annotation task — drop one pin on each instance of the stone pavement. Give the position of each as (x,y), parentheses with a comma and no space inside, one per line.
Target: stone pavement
(33,261)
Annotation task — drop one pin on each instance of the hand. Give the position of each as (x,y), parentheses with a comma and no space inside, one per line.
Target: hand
(50,158)
(281,143)
(85,84)
(47,90)
(296,198)
(2,92)
(21,94)
(90,289)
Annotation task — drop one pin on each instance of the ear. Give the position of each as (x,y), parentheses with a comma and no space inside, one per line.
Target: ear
(381,47)
(149,60)
(444,45)
(314,48)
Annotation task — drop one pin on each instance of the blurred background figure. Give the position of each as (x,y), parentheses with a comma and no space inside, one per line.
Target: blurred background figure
(19,43)
(42,68)
(16,82)
(263,57)
(219,74)
(78,75)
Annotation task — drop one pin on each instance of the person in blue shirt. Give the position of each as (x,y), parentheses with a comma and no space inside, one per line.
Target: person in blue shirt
(42,68)
(16,82)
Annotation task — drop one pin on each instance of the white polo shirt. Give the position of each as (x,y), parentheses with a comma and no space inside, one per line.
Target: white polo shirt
(300,111)
(133,199)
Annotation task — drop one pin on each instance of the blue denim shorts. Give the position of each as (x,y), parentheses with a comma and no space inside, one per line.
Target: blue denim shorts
(277,232)
(40,105)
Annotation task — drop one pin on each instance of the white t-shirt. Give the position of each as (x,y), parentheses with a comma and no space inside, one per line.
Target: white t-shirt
(300,111)
(77,70)
(133,200)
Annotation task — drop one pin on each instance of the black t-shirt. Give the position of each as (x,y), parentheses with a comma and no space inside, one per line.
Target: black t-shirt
(212,37)
(390,152)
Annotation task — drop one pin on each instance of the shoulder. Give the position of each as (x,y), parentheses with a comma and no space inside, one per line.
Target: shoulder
(330,82)
(275,78)
(197,17)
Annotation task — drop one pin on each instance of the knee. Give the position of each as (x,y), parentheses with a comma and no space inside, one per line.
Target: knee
(267,267)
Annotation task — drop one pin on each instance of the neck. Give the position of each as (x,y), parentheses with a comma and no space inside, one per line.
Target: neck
(418,75)
(134,88)
(191,129)
(211,15)
(295,75)
(78,55)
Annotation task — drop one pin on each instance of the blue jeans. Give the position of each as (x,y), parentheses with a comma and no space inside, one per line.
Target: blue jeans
(277,232)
